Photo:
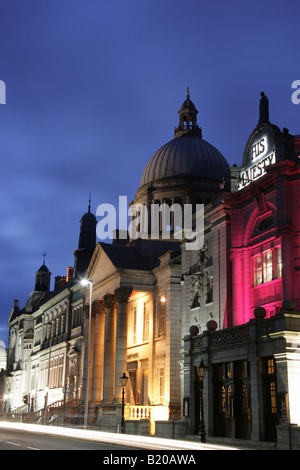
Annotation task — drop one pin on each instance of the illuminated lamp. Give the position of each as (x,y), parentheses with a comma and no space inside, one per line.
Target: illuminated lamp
(123,382)
(163,299)
(85,283)
(201,371)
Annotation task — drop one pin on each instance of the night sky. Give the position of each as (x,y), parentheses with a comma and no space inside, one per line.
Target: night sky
(93,89)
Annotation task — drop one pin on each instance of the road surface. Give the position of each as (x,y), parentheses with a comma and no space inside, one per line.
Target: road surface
(15,439)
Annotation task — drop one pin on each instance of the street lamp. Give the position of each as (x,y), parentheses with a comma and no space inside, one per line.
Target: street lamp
(48,379)
(201,371)
(86,282)
(123,381)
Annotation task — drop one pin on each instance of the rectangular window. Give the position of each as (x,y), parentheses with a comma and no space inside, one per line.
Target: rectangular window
(162,316)
(161,380)
(258,271)
(146,321)
(134,314)
(267,266)
(277,263)
(209,289)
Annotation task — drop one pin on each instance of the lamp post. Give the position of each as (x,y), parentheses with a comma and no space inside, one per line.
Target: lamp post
(48,379)
(86,282)
(123,381)
(201,371)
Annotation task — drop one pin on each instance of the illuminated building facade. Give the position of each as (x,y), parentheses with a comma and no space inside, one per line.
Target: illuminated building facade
(159,307)
(136,292)
(45,355)
(248,336)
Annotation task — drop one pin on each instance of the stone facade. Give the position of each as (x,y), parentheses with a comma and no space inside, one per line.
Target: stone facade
(154,308)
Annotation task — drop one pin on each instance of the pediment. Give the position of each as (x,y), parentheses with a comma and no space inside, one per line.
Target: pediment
(101,266)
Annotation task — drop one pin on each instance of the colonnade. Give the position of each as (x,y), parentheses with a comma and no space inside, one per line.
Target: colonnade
(108,347)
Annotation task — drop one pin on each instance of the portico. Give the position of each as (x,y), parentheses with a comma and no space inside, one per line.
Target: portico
(129,324)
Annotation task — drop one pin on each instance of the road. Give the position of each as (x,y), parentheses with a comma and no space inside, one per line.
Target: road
(15,439)
(21,436)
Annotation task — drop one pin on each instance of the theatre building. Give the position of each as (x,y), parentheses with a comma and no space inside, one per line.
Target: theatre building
(247,332)
(158,305)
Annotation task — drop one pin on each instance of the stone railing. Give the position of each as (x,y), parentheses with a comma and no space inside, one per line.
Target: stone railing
(151,412)
(138,412)
(254,329)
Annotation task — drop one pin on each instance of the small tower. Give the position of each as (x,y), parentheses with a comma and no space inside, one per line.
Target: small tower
(188,119)
(42,278)
(87,242)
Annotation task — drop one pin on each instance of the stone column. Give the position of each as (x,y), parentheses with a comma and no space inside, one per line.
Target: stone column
(109,348)
(122,295)
(86,315)
(238,287)
(97,375)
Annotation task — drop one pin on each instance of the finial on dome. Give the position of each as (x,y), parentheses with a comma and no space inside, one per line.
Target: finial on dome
(188,93)
(90,203)
(44,257)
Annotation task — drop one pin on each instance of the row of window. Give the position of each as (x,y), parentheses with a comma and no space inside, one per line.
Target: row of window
(267,266)
(46,378)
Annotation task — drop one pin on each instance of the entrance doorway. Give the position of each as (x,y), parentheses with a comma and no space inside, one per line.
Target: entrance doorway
(232,400)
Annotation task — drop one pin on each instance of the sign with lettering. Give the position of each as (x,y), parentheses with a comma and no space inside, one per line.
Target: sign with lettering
(259,153)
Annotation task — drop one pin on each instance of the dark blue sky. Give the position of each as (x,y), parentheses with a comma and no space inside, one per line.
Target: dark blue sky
(92,91)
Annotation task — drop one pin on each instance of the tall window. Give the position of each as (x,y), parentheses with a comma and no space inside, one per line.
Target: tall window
(161,381)
(267,266)
(146,321)
(162,315)
(134,313)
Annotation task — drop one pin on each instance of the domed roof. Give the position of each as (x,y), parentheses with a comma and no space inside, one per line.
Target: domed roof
(186,156)
(43,268)
(88,216)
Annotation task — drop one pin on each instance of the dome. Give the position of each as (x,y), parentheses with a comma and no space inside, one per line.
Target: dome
(186,156)
(88,217)
(43,268)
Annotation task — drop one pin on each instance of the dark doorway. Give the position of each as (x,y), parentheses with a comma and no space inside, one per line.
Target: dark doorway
(271,409)
(232,400)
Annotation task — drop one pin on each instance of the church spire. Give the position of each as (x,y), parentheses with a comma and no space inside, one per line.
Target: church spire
(86,243)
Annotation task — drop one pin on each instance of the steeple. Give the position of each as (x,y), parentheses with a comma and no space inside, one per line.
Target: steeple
(87,242)
(188,118)
(42,278)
